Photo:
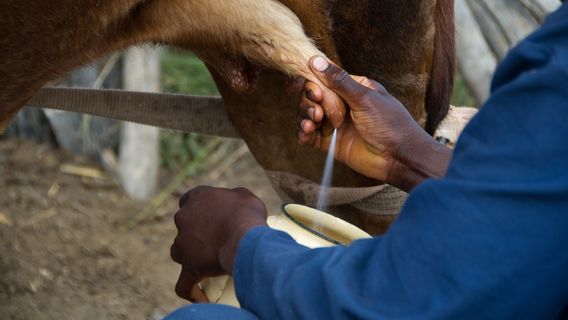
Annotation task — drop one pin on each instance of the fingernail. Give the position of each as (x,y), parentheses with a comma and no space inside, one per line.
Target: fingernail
(310,95)
(320,64)
(312,113)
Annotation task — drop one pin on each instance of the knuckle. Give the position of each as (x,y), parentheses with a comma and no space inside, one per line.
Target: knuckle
(341,78)
(248,198)
(256,203)
(178,219)
(245,195)
(242,190)
(183,199)
(199,189)
(174,253)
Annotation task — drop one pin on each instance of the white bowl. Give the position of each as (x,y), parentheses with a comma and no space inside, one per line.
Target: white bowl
(308,226)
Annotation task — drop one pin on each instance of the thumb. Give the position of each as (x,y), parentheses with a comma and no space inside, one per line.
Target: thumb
(338,80)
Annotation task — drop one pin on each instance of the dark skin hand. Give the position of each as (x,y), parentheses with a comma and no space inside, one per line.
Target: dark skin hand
(378,137)
(210,223)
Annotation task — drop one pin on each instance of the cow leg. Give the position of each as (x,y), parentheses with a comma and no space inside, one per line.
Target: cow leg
(264,32)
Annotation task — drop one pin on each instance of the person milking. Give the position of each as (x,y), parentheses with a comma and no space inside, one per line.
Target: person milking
(482,235)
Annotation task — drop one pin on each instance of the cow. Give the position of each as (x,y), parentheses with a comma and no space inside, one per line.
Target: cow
(253,48)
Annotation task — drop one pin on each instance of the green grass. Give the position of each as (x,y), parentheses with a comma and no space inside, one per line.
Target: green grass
(462,95)
(178,148)
(185,73)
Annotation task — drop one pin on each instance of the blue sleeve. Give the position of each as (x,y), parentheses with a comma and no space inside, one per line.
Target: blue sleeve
(486,241)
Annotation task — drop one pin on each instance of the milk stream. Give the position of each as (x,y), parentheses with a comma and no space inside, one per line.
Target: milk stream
(326,180)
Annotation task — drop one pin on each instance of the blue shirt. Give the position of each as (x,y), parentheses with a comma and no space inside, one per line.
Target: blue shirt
(489,240)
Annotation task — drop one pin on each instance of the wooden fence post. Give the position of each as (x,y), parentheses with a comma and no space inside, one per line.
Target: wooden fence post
(139,160)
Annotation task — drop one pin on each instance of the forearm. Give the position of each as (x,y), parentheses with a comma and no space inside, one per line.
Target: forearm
(264,258)
(276,278)
(418,159)
(420,269)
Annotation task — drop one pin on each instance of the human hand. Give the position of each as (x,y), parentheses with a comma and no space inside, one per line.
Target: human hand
(210,223)
(379,138)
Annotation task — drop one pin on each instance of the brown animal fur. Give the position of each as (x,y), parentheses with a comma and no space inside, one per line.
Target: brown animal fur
(250,46)
(408,46)
(442,74)
(263,31)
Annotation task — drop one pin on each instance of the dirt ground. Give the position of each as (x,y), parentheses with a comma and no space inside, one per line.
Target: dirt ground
(64,250)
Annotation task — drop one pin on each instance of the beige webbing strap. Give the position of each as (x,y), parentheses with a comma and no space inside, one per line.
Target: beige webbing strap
(205,115)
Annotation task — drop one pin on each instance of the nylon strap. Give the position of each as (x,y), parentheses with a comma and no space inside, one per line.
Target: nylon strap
(205,115)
